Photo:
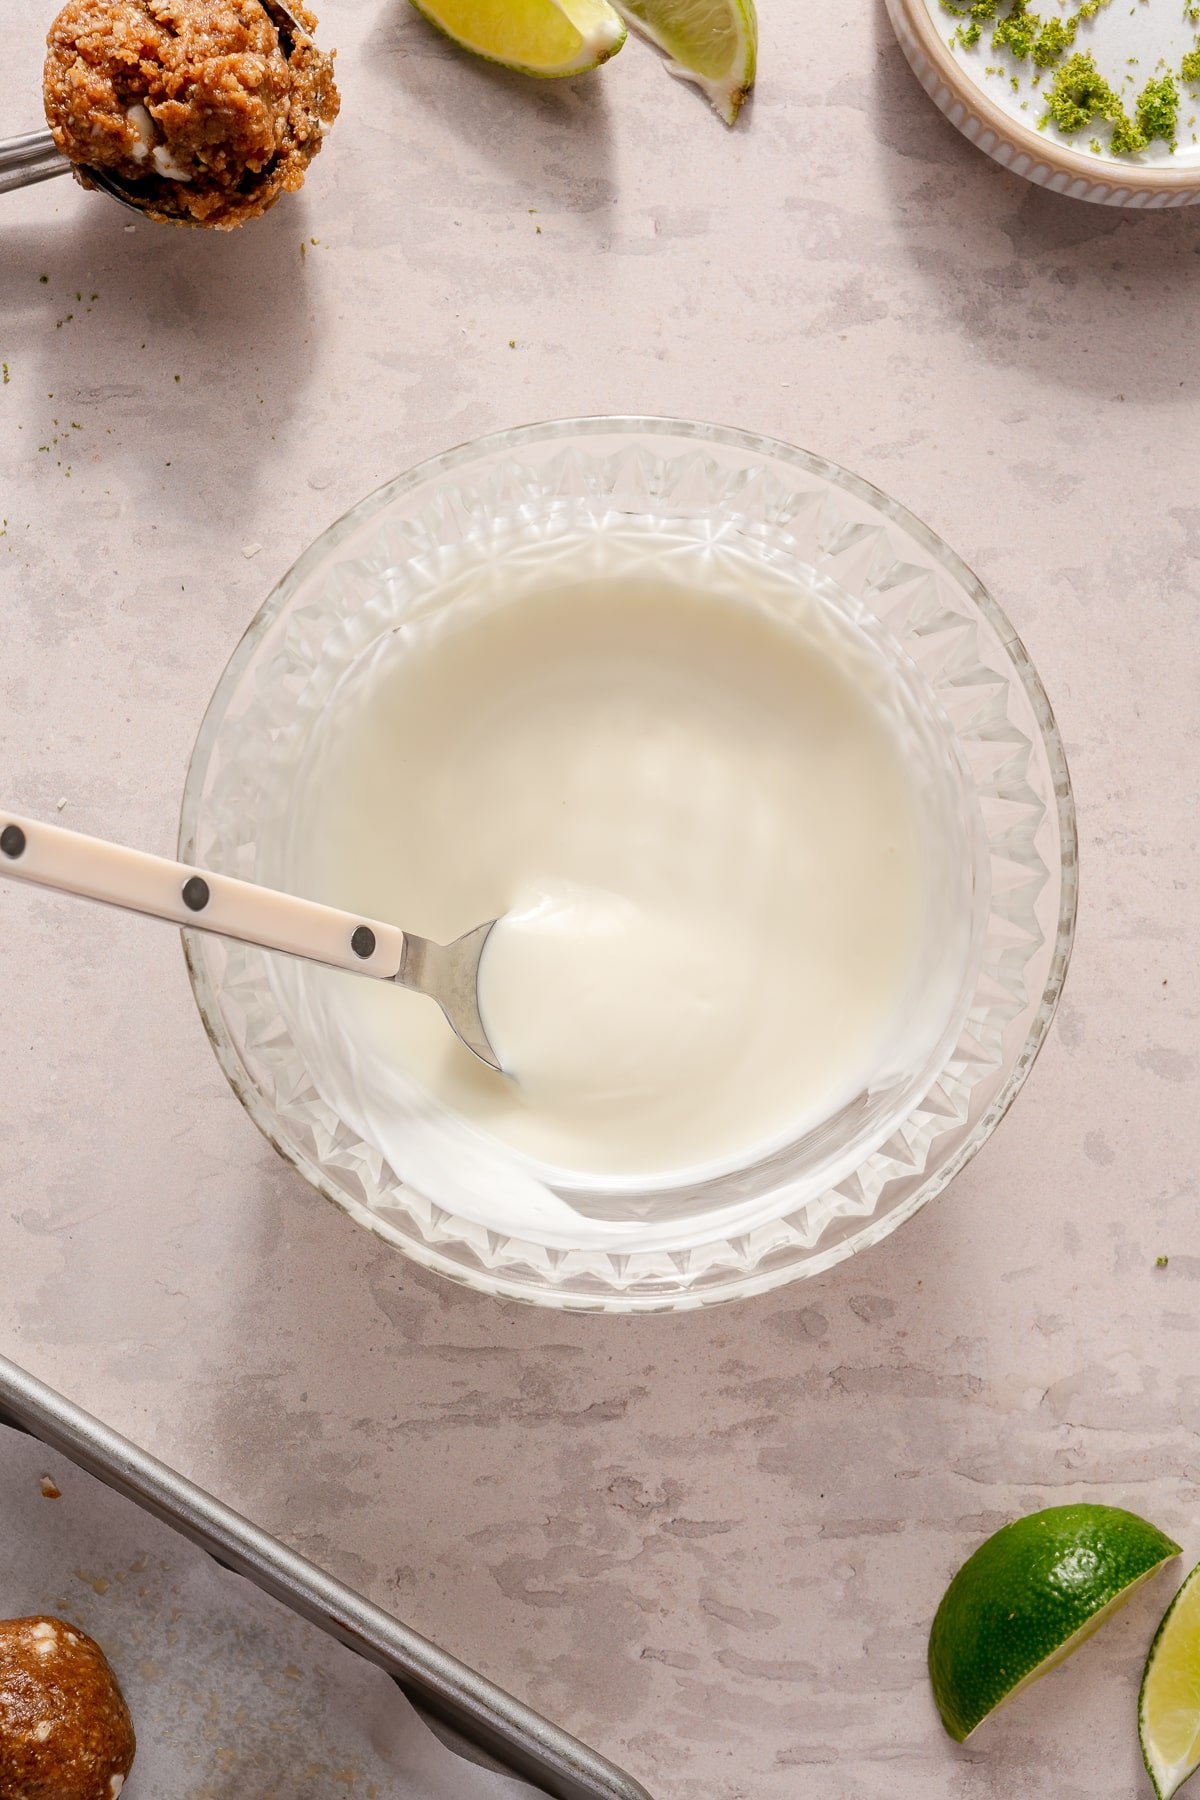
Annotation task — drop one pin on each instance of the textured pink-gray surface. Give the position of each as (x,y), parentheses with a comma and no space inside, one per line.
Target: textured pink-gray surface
(710,1544)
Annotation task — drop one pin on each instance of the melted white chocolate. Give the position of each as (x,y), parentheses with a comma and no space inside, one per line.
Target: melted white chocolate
(696,823)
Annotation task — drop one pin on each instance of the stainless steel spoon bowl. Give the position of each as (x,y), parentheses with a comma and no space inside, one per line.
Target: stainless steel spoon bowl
(36,157)
(94,869)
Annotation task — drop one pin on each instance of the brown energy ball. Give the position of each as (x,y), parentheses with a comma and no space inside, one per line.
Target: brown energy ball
(197,102)
(65,1730)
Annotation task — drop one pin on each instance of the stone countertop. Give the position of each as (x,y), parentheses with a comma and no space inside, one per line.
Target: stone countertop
(710,1544)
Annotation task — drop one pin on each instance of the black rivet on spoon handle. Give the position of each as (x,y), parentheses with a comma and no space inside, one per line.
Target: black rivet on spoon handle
(363,942)
(12,841)
(195,893)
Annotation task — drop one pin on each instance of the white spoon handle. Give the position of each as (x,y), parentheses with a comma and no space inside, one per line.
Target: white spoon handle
(96,870)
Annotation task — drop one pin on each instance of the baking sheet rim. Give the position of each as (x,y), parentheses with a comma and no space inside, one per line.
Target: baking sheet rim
(493,1721)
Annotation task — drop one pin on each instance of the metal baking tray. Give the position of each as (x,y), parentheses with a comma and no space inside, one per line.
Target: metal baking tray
(467,1711)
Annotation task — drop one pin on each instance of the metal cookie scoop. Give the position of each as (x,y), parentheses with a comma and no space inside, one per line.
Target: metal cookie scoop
(36,157)
(49,856)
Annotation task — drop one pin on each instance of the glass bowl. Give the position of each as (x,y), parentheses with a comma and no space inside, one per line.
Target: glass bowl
(968,686)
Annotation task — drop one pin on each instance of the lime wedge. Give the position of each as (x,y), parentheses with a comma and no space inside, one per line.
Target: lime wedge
(1169,1703)
(710,42)
(534,37)
(1029,1596)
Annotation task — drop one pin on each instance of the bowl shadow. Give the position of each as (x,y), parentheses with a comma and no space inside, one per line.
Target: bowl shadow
(547,142)
(1094,299)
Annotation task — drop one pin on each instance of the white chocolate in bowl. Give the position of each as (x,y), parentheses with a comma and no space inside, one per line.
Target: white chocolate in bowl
(690,807)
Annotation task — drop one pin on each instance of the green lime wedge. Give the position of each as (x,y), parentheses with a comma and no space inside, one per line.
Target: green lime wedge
(535,37)
(711,42)
(1029,1596)
(1169,1703)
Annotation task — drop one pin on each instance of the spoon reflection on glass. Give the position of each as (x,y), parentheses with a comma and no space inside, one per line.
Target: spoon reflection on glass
(49,856)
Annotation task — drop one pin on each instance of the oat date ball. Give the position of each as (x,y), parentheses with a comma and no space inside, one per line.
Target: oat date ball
(65,1730)
(200,103)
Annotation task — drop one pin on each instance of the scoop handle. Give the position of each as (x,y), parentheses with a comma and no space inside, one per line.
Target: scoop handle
(32,157)
(52,857)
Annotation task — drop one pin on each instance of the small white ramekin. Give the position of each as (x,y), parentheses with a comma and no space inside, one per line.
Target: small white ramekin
(1020,148)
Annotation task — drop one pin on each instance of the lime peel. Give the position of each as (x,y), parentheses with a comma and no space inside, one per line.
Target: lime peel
(545,38)
(1086,1630)
(1169,1701)
(1029,1596)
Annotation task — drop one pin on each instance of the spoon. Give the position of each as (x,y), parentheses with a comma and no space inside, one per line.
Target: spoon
(36,157)
(92,868)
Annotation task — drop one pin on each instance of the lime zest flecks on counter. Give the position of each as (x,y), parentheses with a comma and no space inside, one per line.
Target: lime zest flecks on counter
(1079,97)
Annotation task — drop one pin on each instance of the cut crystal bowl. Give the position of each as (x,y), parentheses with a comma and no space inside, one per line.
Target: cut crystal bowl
(868,558)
